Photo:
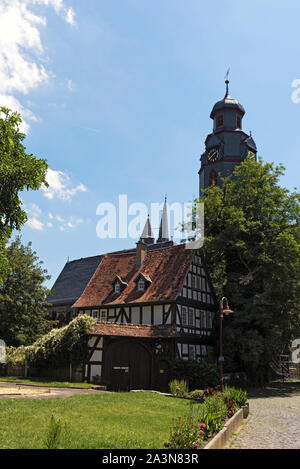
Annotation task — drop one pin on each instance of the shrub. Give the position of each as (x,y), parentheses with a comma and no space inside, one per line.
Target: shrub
(197,394)
(237,395)
(199,374)
(212,412)
(206,418)
(178,388)
(186,433)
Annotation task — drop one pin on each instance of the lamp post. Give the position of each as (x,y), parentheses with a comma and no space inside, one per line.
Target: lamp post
(222,311)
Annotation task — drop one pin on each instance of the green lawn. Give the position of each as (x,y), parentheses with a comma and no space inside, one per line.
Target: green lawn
(46,382)
(107,421)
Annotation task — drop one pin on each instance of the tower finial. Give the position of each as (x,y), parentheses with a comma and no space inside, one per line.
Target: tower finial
(227,82)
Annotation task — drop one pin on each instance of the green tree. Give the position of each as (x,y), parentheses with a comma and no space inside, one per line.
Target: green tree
(18,171)
(23,306)
(252,248)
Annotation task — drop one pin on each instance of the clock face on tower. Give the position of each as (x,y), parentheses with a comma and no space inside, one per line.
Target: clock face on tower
(213,155)
(251,155)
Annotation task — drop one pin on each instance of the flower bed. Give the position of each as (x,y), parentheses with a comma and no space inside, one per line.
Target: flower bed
(209,412)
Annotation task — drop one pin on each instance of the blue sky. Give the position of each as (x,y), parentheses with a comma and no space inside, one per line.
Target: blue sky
(117,96)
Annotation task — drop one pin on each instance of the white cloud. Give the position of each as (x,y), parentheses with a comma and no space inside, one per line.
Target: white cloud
(13,103)
(22,53)
(34,212)
(35,224)
(60,186)
(71,223)
(70,16)
(34,221)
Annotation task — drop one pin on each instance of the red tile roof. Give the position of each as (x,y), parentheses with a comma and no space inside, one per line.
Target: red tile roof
(166,267)
(134,330)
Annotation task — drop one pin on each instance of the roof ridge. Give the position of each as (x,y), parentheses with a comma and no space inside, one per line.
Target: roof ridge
(84,258)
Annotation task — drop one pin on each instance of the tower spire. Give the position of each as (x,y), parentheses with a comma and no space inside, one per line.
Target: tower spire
(147,234)
(164,225)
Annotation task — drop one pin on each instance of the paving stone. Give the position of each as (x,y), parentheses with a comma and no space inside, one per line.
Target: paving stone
(273,422)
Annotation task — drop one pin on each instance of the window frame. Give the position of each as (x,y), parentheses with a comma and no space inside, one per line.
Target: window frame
(141,285)
(219,121)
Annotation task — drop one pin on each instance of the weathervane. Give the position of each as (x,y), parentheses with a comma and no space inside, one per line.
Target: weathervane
(227,81)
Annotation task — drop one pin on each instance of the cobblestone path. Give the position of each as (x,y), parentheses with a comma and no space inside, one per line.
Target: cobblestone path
(274,419)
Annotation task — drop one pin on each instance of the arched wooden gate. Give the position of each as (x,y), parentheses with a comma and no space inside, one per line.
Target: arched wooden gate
(127,365)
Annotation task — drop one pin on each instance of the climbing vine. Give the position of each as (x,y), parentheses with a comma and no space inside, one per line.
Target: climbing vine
(58,347)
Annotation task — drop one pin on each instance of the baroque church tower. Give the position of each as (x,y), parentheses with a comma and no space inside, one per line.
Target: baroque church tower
(228,145)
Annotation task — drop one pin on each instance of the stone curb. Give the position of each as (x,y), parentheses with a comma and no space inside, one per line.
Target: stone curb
(221,439)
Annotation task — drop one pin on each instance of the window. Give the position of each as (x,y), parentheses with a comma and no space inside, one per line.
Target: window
(95,314)
(184,315)
(208,320)
(191,352)
(213,178)
(141,285)
(220,120)
(117,287)
(191,317)
(239,122)
(103,315)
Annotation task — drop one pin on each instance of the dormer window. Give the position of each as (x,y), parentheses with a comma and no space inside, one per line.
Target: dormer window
(141,285)
(142,282)
(220,121)
(119,285)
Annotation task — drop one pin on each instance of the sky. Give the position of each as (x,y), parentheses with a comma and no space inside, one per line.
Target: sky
(117,96)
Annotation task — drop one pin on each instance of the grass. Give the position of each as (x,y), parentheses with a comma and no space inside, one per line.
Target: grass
(106,421)
(46,382)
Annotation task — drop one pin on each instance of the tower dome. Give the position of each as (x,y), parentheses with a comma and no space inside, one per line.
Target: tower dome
(227,103)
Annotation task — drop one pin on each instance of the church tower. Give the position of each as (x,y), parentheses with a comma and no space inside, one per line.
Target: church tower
(228,145)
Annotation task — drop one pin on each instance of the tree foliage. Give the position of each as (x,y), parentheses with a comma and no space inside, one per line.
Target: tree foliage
(23,306)
(252,248)
(19,171)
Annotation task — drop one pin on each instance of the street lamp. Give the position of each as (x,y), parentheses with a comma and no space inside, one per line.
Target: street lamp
(222,311)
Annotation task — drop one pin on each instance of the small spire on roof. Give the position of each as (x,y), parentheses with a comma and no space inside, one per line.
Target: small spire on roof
(164,225)
(147,234)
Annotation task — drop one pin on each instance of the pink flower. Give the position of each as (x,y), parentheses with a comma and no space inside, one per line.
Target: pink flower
(201,432)
(203,426)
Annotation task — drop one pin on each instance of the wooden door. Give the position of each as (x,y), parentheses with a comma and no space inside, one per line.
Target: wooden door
(127,366)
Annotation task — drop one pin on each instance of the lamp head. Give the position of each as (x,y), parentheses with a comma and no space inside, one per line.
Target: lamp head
(227,310)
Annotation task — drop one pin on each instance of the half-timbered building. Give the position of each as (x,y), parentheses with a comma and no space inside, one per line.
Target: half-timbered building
(152,306)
